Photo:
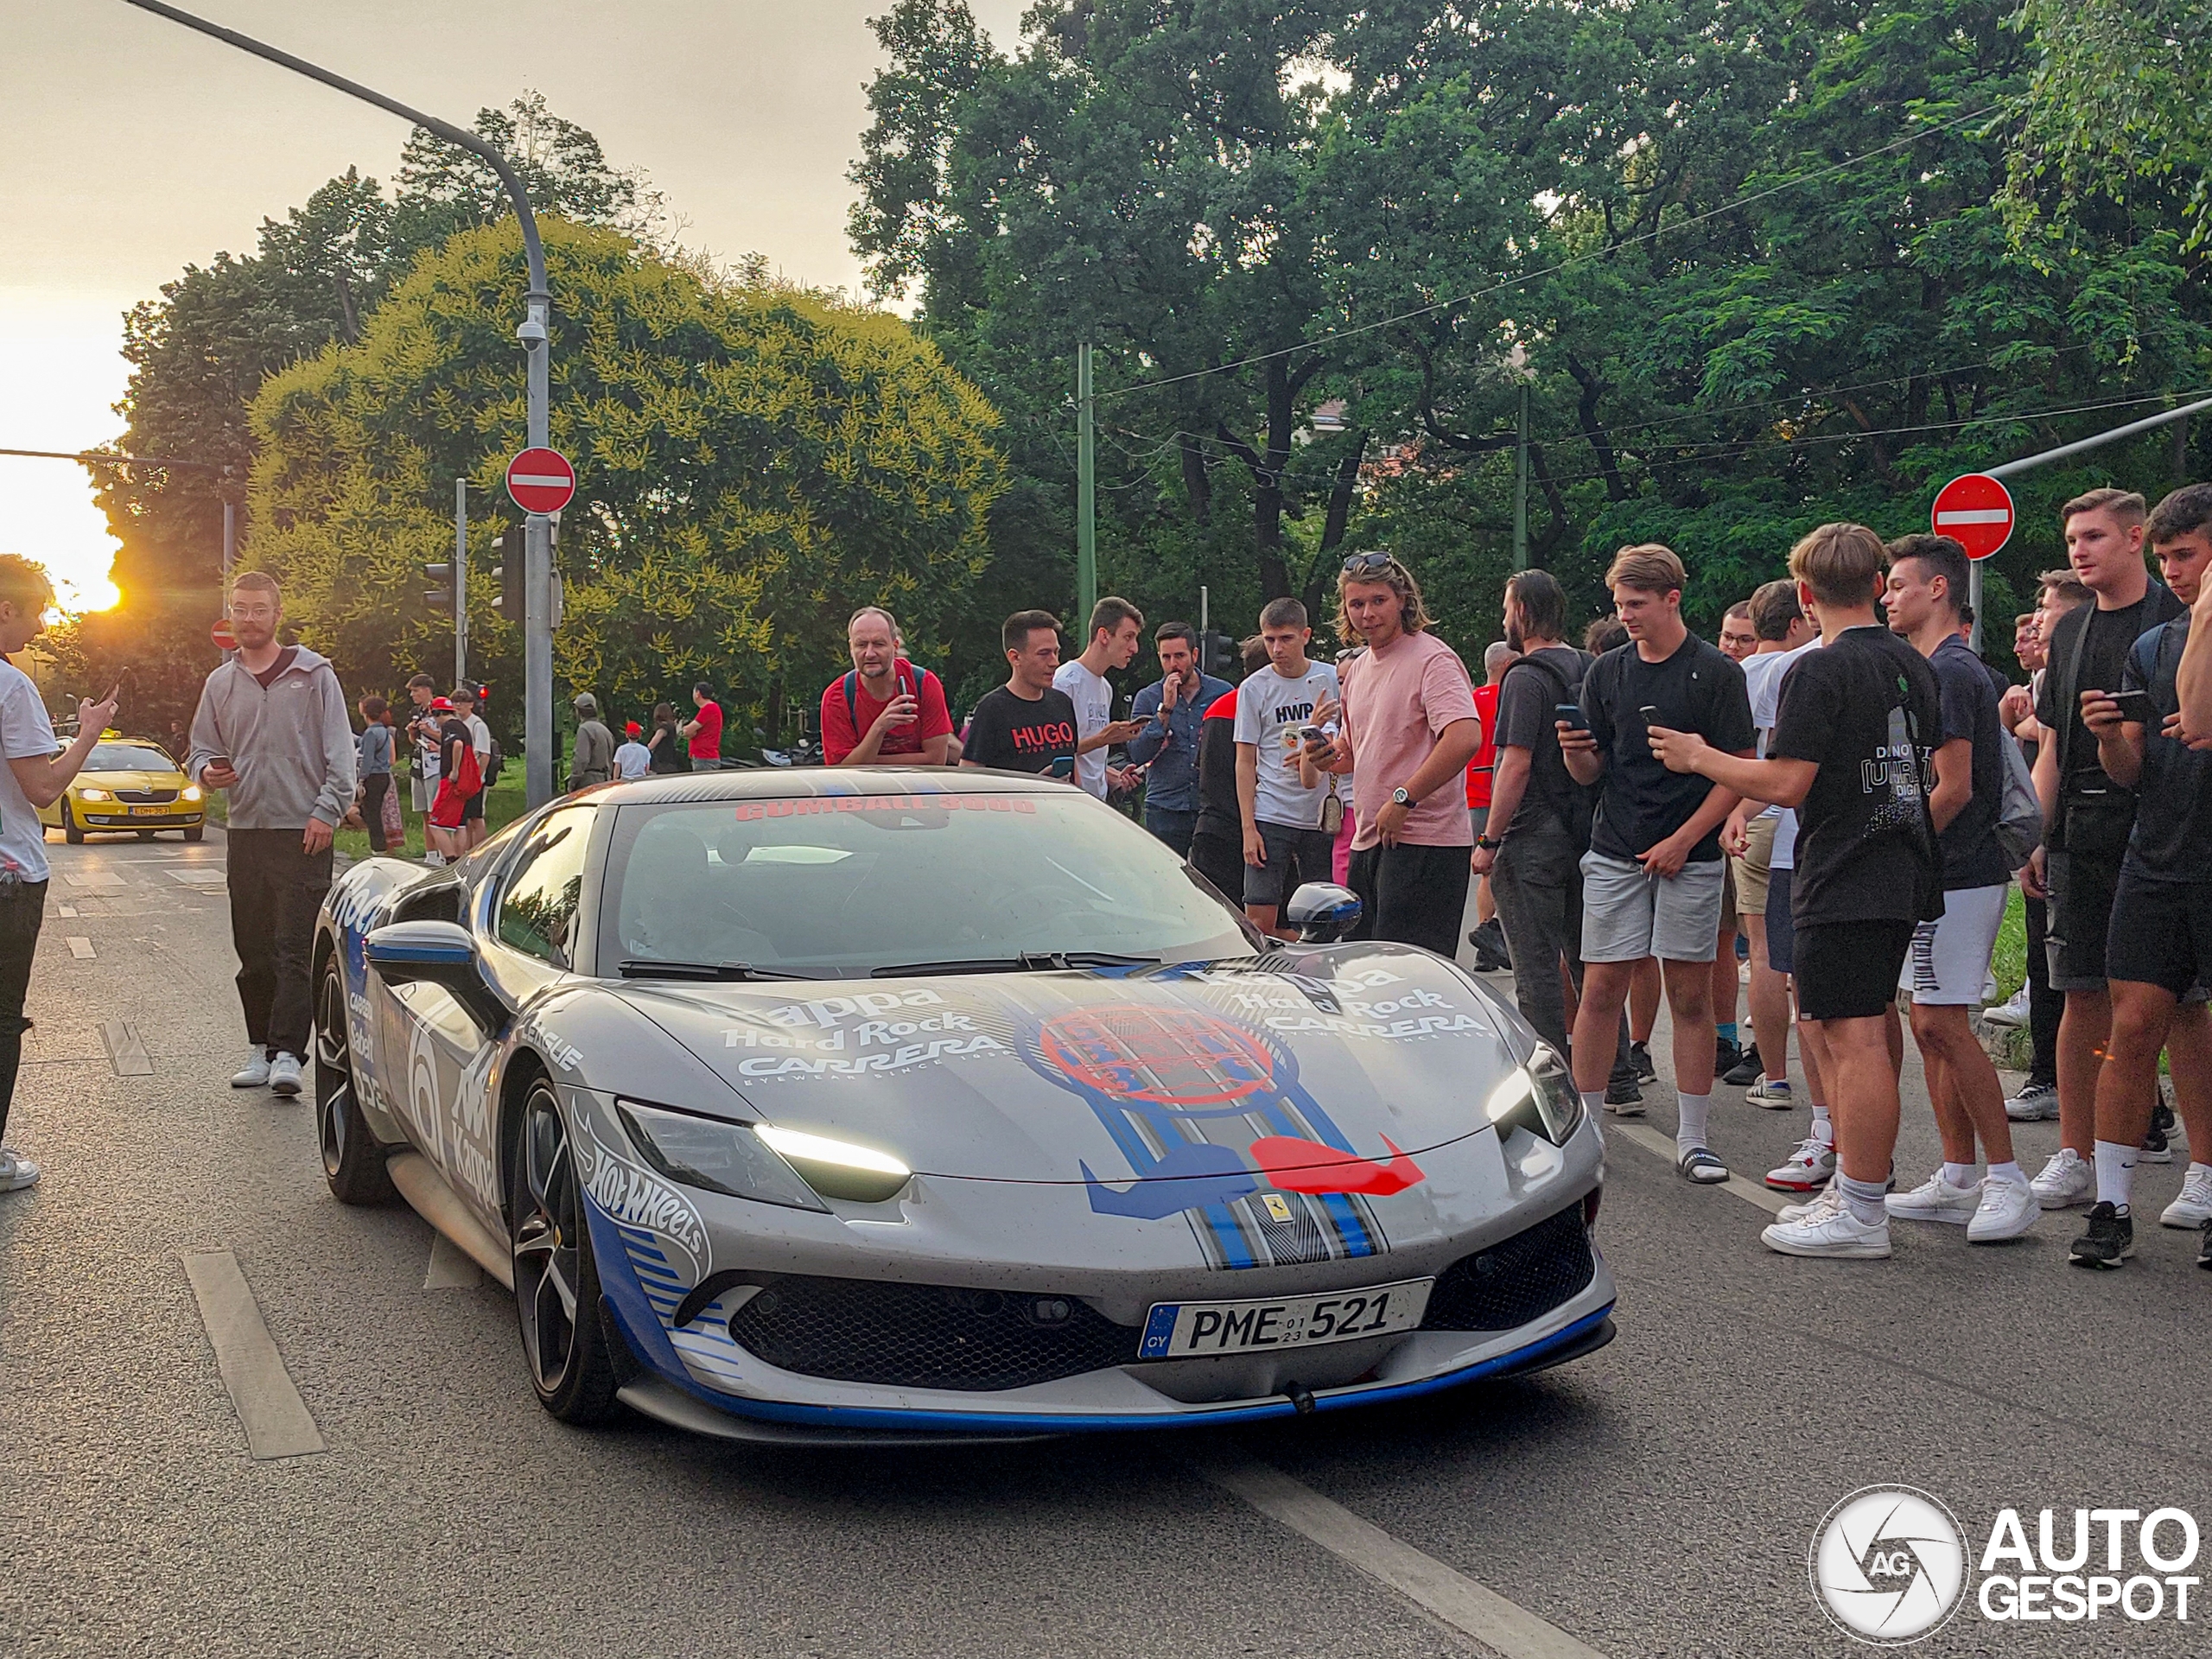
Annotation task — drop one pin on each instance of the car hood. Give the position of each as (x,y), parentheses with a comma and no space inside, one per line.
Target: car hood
(128,780)
(1351,1055)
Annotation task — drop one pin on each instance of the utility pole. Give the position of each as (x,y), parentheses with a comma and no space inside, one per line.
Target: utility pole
(1086,493)
(460,582)
(537,639)
(1521,488)
(230,552)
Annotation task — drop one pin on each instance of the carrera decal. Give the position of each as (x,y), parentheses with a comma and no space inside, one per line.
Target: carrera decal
(867,1033)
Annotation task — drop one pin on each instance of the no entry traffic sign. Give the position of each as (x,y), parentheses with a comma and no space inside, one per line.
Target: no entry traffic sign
(1976,512)
(221,634)
(541,480)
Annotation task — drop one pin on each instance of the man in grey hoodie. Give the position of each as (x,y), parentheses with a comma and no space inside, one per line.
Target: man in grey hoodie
(272,732)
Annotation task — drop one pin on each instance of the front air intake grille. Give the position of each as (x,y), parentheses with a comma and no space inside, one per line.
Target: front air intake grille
(146,796)
(1506,1286)
(927,1336)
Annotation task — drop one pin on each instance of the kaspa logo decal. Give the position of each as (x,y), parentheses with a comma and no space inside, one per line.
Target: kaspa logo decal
(1888,1564)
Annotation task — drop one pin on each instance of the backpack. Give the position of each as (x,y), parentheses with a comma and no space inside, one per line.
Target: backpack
(1577,809)
(2019,812)
(491,770)
(851,683)
(468,780)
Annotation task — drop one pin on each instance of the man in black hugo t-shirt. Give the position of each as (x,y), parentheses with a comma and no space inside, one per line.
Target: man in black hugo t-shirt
(1949,960)
(2158,952)
(1024,725)
(2087,816)
(1653,880)
(1856,719)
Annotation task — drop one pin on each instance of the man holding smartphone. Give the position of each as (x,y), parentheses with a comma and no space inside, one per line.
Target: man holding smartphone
(1025,725)
(272,732)
(1286,842)
(886,708)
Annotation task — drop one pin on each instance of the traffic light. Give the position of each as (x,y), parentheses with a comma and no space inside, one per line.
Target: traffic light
(440,596)
(509,595)
(1217,654)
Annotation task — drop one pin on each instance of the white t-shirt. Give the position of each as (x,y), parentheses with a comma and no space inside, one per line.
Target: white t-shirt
(1762,679)
(633,759)
(1094,709)
(25,731)
(1268,705)
(480,738)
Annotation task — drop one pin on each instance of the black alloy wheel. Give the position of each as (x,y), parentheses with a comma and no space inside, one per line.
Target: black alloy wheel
(556,1280)
(353,1158)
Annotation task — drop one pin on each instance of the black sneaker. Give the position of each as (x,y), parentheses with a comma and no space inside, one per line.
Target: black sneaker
(2204,1249)
(1725,1056)
(2158,1146)
(1748,1069)
(1488,942)
(1639,1056)
(2109,1242)
(1623,1098)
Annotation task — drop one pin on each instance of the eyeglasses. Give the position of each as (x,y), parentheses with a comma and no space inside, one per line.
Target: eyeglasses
(1368,564)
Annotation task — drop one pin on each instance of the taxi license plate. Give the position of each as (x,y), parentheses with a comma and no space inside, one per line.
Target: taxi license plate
(1182,1330)
(149,811)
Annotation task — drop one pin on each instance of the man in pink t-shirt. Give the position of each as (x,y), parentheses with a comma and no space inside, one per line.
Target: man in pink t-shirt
(1409,729)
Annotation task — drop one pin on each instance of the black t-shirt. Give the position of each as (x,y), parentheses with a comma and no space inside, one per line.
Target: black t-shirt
(1528,710)
(1972,857)
(2104,659)
(2172,839)
(1219,813)
(1864,850)
(1014,734)
(1697,689)
(668,755)
(451,733)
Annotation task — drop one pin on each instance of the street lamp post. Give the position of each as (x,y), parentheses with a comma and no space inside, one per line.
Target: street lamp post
(537,638)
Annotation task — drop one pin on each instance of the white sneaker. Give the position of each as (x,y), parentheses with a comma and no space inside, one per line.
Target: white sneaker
(254,1074)
(17,1172)
(1828,1197)
(284,1075)
(1834,1232)
(2194,1207)
(2068,1179)
(1936,1200)
(2007,1210)
(2032,1104)
(434,859)
(2012,1012)
(1773,1093)
(1813,1165)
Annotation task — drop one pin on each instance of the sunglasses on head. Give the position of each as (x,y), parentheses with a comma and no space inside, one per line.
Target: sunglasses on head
(1368,564)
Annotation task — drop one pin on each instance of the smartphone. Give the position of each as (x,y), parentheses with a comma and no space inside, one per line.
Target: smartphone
(1651,713)
(1063,767)
(1313,736)
(2134,705)
(1572,714)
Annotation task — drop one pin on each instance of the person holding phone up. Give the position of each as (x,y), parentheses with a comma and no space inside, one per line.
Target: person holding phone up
(886,708)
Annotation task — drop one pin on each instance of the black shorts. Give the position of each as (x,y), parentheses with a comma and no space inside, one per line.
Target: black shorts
(1780,931)
(1294,857)
(2161,935)
(1413,895)
(1849,970)
(473,808)
(1220,859)
(2080,918)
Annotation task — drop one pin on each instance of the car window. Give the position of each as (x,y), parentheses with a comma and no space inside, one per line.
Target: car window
(537,911)
(847,884)
(127,757)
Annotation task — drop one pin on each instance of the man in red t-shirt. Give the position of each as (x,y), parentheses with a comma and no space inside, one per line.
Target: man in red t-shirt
(1488,938)
(704,730)
(886,708)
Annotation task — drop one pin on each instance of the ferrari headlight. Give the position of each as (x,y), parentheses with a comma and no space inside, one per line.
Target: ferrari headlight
(191,792)
(1539,1097)
(838,1169)
(710,1153)
(92,794)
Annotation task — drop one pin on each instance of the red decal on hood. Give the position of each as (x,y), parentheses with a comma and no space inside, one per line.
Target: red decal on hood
(1296,1166)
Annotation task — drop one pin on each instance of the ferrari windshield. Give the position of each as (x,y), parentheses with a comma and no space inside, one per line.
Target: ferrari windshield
(846,886)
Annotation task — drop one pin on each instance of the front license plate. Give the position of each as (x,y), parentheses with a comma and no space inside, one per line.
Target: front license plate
(1181,1329)
(151,811)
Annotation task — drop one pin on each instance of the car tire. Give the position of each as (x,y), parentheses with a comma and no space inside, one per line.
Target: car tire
(197,832)
(352,1158)
(72,831)
(565,1342)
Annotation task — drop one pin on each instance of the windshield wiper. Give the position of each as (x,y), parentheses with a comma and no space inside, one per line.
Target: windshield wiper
(650,967)
(1028,962)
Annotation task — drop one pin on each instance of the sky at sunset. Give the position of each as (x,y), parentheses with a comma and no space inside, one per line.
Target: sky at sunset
(137,147)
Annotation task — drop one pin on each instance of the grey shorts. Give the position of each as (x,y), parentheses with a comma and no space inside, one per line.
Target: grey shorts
(1294,857)
(424,790)
(1627,915)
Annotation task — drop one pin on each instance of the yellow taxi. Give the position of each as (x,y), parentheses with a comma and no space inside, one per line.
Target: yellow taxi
(128,784)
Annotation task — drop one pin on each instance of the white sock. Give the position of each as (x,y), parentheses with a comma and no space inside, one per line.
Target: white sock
(2011,1172)
(1864,1200)
(1691,1113)
(2115,1174)
(2194,1165)
(1593,1100)
(1823,1125)
(1961,1175)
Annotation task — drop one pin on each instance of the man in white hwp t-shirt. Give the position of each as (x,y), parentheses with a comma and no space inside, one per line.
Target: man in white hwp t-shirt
(1116,629)
(1286,842)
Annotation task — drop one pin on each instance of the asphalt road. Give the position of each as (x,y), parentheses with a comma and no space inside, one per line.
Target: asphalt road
(1655,1498)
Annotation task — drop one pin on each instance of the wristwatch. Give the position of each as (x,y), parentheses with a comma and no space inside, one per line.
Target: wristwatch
(1490,844)
(1400,796)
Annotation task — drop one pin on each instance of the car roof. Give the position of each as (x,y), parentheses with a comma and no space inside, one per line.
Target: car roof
(789,782)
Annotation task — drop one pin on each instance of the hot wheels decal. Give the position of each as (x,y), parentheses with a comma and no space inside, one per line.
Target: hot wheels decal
(633,1194)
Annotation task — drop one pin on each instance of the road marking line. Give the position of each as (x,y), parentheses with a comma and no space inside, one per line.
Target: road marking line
(1503,1626)
(94,879)
(198,877)
(275,1418)
(1662,1144)
(80,948)
(126,1050)
(451,1267)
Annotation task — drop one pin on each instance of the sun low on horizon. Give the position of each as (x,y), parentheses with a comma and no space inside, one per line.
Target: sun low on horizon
(60,374)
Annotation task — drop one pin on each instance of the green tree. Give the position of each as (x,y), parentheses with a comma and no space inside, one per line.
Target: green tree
(753,464)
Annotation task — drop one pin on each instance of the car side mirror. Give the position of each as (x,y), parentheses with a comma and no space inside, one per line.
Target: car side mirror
(1323,912)
(435,953)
